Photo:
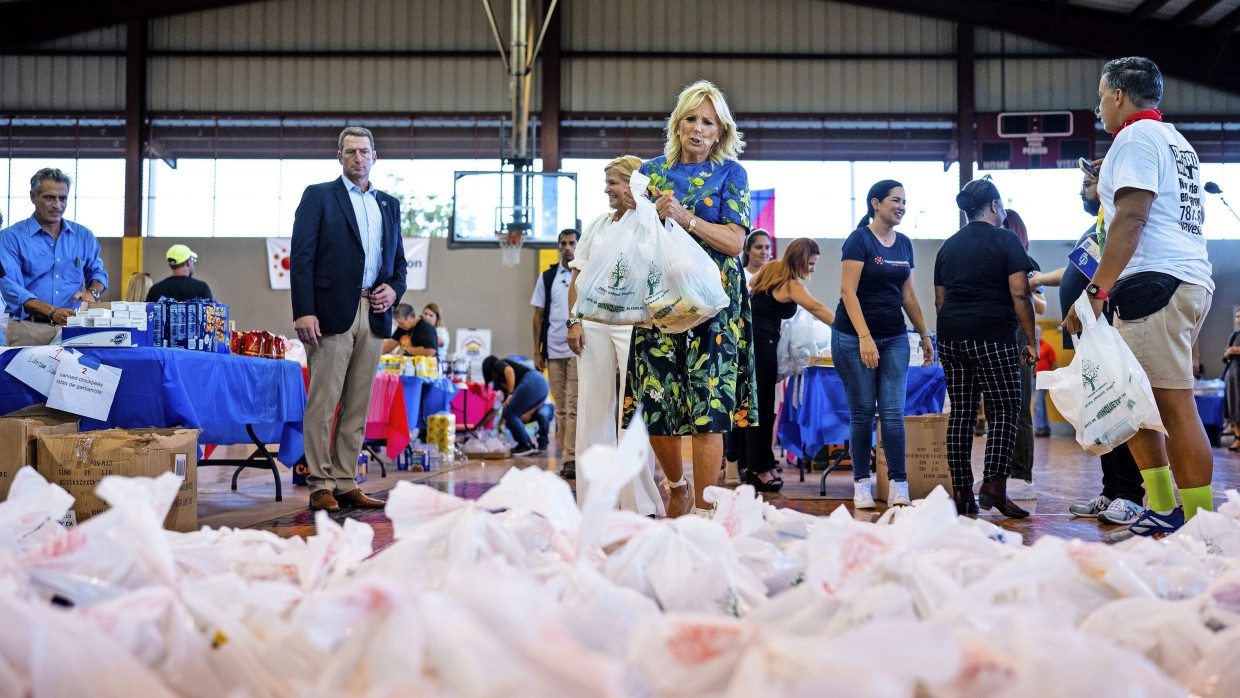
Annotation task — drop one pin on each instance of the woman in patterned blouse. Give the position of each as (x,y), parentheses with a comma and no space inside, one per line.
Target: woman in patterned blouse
(699,383)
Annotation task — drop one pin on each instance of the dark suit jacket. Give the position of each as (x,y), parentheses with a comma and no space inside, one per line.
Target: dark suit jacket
(327,258)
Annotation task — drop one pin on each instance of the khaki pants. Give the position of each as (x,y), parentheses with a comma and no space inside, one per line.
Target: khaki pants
(29,334)
(342,371)
(562,378)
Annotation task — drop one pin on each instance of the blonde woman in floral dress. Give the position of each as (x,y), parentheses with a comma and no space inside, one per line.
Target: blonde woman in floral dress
(699,383)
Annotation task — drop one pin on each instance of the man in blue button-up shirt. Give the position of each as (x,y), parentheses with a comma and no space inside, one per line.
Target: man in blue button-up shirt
(52,264)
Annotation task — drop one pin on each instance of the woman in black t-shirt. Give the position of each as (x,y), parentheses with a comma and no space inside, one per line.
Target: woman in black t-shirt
(525,391)
(981,291)
(869,341)
(413,336)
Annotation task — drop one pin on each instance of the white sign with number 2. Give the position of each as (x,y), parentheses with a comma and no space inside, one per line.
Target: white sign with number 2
(84,386)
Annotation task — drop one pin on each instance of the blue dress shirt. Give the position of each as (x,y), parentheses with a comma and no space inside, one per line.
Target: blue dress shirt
(52,271)
(370,226)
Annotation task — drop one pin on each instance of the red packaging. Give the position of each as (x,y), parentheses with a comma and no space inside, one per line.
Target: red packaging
(252,344)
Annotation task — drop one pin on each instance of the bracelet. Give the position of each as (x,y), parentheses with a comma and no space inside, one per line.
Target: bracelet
(863,336)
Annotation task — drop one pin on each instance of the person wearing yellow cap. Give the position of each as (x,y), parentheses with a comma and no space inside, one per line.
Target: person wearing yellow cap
(182,285)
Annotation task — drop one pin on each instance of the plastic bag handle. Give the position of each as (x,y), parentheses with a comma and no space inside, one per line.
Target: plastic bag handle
(1085,312)
(638,183)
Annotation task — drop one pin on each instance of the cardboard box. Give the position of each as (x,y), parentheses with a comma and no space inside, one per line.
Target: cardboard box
(77,462)
(98,337)
(18,442)
(925,457)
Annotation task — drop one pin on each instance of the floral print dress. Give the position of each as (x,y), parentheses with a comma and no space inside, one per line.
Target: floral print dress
(700,381)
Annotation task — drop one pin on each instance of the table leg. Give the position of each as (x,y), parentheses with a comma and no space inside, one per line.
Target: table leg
(832,465)
(260,458)
(369,447)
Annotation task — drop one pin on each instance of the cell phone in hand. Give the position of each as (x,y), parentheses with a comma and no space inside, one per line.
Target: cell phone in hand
(1087,168)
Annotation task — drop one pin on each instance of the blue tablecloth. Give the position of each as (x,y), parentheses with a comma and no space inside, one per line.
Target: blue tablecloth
(218,393)
(1210,407)
(815,411)
(426,396)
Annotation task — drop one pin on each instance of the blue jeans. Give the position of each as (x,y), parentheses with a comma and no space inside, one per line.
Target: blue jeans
(530,392)
(871,390)
(1040,421)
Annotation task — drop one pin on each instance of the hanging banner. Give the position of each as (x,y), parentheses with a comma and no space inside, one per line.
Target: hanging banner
(278,262)
(762,213)
(417,254)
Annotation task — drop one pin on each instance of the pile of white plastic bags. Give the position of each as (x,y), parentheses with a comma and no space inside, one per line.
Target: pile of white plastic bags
(522,593)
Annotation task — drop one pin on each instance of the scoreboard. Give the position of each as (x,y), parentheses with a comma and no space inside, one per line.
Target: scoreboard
(1034,140)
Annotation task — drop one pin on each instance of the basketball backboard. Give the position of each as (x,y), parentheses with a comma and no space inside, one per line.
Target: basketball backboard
(538,204)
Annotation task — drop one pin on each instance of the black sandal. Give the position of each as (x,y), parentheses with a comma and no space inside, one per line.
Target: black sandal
(772,485)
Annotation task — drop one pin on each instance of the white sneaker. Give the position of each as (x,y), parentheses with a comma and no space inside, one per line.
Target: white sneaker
(1092,508)
(862,498)
(1022,490)
(897,494)
(1121,511)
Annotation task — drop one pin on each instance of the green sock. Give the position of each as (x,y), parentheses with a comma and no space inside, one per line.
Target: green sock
(1158,489)
(1195,499)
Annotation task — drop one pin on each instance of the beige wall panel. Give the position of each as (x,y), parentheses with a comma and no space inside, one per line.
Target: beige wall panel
(105,39)
(1188,98)
(1072,83)
(62,82)
(791,26)
(770,86)
(332,25)
(335,84)
(996,42)
(1037,84)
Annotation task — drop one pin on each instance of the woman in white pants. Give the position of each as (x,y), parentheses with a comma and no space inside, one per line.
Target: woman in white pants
(603,352)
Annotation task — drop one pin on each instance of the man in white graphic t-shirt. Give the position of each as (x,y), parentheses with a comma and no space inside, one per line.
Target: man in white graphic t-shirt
(1155,273)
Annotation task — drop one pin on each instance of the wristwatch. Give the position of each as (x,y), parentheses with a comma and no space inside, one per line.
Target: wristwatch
(572,321)
(1096,292)
(94,293)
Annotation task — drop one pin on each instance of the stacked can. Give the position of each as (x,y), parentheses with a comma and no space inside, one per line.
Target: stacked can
(441,432)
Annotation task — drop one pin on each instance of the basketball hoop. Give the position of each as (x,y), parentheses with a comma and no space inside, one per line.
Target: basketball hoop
(510,247)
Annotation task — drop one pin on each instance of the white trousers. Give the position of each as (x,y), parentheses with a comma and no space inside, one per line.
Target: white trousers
(598,410)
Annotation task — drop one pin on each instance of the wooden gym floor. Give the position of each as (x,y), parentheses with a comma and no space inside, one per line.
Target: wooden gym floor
(1063,475)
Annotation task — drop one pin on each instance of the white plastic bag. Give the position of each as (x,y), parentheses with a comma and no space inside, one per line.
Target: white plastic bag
(684,287)
(612,287)
(1104,393)
(796,343)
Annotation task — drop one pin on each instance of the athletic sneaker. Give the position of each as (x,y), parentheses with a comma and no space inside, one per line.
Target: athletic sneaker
(524,451)
(1092,508)
(1120,536)
(897,494)
(862,499)
(1156,525)
(1122,512)
(1022,490)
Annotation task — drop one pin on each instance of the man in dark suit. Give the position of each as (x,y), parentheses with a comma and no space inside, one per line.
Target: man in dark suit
(347,271)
